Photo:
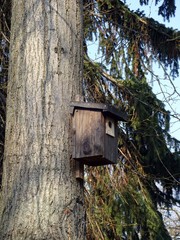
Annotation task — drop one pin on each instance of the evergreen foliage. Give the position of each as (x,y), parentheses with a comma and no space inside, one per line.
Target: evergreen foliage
(122,200)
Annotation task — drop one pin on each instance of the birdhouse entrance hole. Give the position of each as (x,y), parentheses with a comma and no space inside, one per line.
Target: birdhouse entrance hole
(110,127)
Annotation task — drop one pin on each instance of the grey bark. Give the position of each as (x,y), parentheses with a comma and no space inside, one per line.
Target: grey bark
(41,197)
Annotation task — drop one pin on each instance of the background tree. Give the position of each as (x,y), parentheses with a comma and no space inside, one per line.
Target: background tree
(41,198)
(125,198)
(172,220)
(122,201)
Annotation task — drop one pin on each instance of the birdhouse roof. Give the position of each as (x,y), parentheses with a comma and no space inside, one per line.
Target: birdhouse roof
(106,109)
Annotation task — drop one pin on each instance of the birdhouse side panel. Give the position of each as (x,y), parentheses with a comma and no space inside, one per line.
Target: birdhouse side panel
(88,134)
(111,143)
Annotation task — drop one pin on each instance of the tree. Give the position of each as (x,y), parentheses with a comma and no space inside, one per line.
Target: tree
(123,200)
(172,221)
(41,198)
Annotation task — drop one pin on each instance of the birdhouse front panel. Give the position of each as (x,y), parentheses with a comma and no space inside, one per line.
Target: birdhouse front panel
(88,136)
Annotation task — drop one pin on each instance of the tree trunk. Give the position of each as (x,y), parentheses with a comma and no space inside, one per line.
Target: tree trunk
(41,197)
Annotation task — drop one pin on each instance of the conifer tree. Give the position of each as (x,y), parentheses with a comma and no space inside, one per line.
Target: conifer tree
(125,198)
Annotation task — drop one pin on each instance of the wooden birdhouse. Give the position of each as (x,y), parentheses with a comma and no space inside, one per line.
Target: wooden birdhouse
(95,133)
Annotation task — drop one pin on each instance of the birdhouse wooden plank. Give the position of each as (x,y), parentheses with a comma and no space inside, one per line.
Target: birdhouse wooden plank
(95,133)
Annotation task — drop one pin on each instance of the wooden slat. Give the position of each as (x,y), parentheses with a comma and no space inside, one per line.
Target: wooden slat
(110,148)
(89,134)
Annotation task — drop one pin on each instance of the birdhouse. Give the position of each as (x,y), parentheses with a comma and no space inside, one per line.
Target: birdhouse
(95,133)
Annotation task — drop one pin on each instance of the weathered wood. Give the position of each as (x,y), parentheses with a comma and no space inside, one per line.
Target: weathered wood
(89,134)
(79,166)
(94,137)
(109,110)
(111,146)
(79,170)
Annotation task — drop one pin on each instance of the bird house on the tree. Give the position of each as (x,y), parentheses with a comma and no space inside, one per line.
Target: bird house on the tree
(95,132)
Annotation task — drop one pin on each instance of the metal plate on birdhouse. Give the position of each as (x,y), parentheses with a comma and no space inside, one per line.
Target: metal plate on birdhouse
(110,126)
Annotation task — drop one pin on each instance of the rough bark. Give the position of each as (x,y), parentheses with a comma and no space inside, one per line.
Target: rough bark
(41,197)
